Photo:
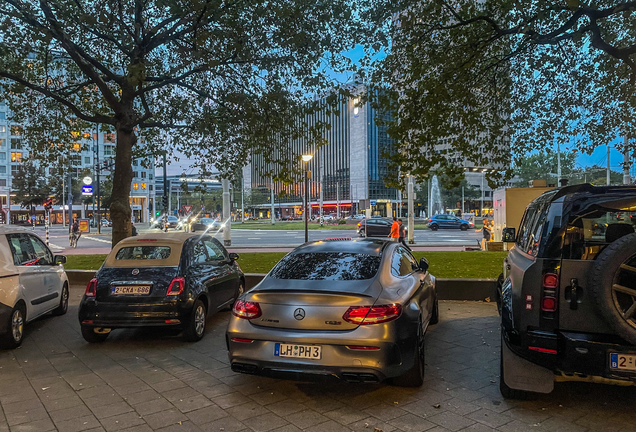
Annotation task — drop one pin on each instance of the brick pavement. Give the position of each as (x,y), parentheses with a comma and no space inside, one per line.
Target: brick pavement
(147,380)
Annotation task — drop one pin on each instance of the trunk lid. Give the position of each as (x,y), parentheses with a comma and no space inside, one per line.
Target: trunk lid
(311,304)
(158,278)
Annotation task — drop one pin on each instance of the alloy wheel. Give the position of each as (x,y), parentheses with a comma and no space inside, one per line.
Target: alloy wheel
(624,290)
(17,325)
(199,320)
(65,299)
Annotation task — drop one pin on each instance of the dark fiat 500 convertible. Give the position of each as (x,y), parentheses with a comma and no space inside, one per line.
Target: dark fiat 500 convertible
(355,309)
(172,280)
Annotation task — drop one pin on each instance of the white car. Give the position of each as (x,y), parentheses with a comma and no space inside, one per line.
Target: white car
(32,283)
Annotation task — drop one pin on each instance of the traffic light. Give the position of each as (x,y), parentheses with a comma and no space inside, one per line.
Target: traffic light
(164,201)
(158,213)
(48,203)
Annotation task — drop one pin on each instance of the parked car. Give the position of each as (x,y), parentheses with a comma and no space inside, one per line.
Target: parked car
(375,227)
(174,280)
(32,283)
(448,221)
(567,294)
(107,223)
(206,224)
(355,309)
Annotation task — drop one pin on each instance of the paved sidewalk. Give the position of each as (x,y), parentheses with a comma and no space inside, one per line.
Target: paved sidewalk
(149,380)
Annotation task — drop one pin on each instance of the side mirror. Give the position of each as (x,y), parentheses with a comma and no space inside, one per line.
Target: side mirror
(423,264)
(234,256)
(59,259)
(508,234)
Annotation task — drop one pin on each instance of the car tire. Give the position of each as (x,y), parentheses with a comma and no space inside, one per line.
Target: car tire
(15,328)
(414,377)
(507,392)
(435,314)
(498,289)
(89,335)
(464,227)
(63,306)
(195,329)
(434,227)
(614,267)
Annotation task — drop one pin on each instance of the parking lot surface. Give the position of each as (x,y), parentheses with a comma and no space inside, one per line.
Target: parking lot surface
(145,380)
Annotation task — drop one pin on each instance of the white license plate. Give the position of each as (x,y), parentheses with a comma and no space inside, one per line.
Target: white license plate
(624,362)
(311,352)
(131,290)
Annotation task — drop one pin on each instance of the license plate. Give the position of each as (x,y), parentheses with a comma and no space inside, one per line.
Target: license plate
(624,362)
(131,290)
(311,352)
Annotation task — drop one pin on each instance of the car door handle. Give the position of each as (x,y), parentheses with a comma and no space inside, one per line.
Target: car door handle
(573,293)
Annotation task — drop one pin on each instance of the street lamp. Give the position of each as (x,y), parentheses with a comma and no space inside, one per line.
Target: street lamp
(306,159)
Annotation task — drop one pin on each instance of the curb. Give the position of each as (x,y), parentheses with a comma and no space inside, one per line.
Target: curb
(447,289)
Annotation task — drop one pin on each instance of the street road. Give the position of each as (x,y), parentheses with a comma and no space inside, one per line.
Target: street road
(268,238)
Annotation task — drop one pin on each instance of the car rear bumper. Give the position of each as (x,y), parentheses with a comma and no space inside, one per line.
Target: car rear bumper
(575,355)
(5,317)
(393,357)
(110,315)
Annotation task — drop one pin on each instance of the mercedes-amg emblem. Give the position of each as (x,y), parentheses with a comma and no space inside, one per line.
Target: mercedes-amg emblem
(299,314)
(135,272)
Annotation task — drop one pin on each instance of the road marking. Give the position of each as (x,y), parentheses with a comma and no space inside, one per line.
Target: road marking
(54,246)
(98,240)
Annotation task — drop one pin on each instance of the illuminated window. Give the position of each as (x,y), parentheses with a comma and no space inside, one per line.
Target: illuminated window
(135,185)
(143,185)
(3,129)
(75,134)
(77,147)
(87,135)
(109,137)
(16,157)
(16,130)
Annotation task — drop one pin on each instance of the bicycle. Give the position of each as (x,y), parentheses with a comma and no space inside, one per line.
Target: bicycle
(73,238)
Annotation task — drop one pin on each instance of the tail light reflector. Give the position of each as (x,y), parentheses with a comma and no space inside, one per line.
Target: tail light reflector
(176,286)
(550,280)
(246,309)
(549,304)
(364,315)
(91,288)
(242,340)
(542,350)
(363,348)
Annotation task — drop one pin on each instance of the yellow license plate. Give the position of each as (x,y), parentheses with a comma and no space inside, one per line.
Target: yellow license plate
(131,290)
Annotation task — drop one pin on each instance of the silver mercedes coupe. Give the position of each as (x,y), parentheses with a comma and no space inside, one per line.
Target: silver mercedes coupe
(354,309)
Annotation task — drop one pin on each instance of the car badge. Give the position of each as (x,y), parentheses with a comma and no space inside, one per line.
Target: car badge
(299,314)
(135,272)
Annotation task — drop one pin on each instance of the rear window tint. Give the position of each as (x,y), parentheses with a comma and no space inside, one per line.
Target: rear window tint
(327,266)
(143,253)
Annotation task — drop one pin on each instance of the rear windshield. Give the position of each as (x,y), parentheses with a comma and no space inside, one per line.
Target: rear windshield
(143,253)
(327,266)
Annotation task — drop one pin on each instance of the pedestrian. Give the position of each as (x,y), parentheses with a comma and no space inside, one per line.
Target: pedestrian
(75,233)
(394,235)
(402,231)
(486,233)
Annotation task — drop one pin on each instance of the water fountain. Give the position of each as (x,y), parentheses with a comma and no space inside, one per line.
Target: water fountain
(436,204)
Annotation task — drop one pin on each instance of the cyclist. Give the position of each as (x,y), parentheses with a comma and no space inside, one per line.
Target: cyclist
(75,232)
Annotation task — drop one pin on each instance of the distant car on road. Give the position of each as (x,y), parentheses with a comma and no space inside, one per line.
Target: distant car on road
(172,280)
(32,283)
(446,221)
(375,227)
(206,224)
(355,309)
(567,295)
(107,223)
(172,222)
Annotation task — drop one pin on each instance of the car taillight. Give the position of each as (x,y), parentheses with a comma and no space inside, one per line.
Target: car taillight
(549,304)
(246,309)
(91,288)
(364,315)
(176,286)
(430,220)
(550,281)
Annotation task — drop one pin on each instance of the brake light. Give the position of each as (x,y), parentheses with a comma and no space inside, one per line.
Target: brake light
(242,340)
(430,220)
(246,309)
(542,350)
(550,281)
(549,304)
(176,286)
(91,288)
(364,315)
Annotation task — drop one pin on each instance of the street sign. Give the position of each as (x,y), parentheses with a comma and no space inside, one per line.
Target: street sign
(374,202)
(187,208)
(87,190)
(87,180)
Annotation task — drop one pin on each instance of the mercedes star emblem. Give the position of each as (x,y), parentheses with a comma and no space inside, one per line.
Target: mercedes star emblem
(135,272)
(299,314)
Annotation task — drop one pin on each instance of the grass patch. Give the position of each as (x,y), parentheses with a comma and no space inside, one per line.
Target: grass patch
(474,265)
(84,262)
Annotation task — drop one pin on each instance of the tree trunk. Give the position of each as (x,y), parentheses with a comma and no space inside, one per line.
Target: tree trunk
(120,211)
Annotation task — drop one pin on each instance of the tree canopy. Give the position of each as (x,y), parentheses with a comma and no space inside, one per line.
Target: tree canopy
(219,78)
(481,77)
(29,185)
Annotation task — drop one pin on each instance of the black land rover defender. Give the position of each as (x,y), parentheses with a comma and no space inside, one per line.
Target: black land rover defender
(567,295)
